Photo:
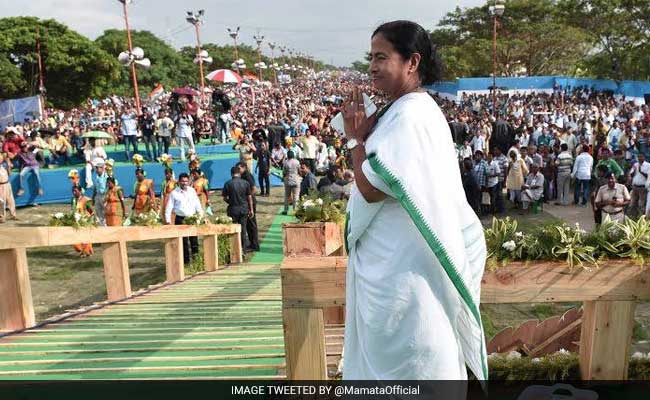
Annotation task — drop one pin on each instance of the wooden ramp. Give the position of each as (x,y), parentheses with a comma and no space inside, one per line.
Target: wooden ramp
(219,325)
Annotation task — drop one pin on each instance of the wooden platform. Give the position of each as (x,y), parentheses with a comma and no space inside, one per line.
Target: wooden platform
(219,325)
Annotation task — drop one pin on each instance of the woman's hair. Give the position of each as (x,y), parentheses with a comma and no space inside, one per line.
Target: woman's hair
(77,187)
(110,179)
(407,38)
(139,170)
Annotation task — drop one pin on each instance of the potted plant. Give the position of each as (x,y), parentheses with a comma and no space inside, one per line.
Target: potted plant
(319,229)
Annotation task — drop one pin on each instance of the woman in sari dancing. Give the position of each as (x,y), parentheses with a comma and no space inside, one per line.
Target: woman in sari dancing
(145,197)
(416,248)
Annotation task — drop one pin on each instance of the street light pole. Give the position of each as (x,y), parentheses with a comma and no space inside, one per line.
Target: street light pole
(496,11)
(275,72)
(134,75)
(258,40)
(233,35)
(195,19)
(41,84)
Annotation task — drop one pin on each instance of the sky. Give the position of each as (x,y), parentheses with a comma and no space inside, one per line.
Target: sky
(333,31)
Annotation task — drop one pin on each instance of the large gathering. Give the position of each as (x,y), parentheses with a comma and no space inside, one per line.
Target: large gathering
(427,200)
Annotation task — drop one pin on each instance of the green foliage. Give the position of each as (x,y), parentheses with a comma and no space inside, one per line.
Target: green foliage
(224,249)
(74,67)
(195,265)
(196,219)
(543,311)
(320,208)
(554,242)
(558,366)
(608,39)
(151,218)
(72,219)
(222,219)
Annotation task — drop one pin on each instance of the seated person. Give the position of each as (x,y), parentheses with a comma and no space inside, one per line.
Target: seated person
(533,189)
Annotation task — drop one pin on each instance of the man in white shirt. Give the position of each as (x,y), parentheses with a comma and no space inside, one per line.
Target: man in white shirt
(582,174)
(533,189)
(478,143)
(493,173)
(164,128)
(129,130)
(309,145)
(639,177)
(184,202)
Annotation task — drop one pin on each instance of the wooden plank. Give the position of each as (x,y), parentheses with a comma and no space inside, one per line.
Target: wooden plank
(320,281)
(116,271)
(16,306)
(334,239)
(606,339)
(304,240)
(63,236)
(553,282)
(304,343)
(174,265)
(236,250)
(211,252)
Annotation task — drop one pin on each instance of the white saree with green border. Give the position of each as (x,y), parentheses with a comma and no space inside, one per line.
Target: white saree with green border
(416,259)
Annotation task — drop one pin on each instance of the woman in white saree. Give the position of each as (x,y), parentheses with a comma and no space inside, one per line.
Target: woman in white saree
(416,248)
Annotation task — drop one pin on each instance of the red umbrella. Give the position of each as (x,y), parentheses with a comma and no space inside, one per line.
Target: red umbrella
(224,75)
(186,91)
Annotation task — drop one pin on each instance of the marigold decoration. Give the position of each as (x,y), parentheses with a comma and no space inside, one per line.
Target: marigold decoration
(73,175)
(195,161)
(109,164)
(167,161)
(138,160)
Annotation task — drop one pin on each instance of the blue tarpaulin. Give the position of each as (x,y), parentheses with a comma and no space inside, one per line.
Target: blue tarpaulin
(18,110)
(632,89)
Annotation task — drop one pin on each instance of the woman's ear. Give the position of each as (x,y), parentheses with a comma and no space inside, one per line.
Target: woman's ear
(414,62)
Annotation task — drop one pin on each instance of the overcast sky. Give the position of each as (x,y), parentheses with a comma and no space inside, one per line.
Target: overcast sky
(333,31)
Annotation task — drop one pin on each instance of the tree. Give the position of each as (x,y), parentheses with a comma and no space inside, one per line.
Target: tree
(74,67)
(532,41)
(168,66)
(619,33)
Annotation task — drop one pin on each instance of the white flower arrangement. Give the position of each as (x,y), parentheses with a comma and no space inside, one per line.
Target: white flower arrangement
(77,217)
(510,245)
(59,215)
(513,355)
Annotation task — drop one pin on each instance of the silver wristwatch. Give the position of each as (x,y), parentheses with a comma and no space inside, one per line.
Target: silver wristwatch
(351,144)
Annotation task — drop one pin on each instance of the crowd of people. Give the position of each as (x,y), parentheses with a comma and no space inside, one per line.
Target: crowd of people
(543,144)
(285,129)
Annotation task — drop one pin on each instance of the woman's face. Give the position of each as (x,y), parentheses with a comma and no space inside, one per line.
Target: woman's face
(389,72)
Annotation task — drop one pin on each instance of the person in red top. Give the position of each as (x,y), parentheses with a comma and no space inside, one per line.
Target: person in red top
(11,146)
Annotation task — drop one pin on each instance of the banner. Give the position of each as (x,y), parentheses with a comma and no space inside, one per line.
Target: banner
(17,111)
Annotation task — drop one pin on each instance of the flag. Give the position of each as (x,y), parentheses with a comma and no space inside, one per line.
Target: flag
(156,92)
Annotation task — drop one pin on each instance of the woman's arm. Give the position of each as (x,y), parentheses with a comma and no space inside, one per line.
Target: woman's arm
(369,192)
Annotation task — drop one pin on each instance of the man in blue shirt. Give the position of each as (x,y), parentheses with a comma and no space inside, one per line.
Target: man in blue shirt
(99,184)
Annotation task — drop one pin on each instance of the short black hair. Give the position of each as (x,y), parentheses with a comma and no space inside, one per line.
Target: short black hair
(408,37)
(564,147)
(306,164)
(183,175)
(290,154)
(234,170)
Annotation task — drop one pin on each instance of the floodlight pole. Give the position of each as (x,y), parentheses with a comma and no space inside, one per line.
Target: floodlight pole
(134,75)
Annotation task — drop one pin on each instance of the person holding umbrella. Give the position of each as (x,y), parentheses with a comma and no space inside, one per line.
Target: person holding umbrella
(92,152)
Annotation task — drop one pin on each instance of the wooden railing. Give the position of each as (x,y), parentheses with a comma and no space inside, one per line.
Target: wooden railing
(16,307)
(608,293)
